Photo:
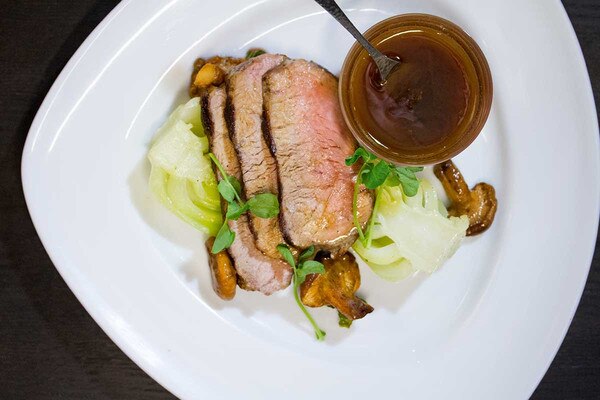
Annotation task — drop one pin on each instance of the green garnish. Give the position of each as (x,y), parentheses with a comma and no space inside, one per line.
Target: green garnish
(375,173)
(408,180)
(344,321)
(234,211)
(254,53)
(229,187)
(264,205)
(224,238)
(304,267)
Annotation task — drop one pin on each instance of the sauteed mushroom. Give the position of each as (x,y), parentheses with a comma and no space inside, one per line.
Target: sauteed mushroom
(478,204)
(210,72)
(336,287)
(222,271)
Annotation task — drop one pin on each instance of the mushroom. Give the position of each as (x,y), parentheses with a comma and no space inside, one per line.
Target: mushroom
(193,90)
(222,271)
(336,287)
(211,72)
(479,204)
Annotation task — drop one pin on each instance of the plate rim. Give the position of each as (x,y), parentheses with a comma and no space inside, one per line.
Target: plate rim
(582,65)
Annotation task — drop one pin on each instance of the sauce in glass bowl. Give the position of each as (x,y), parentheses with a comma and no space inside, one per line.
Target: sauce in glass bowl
(432,106)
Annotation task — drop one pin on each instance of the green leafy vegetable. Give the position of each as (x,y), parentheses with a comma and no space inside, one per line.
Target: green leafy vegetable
(304,267)
(182,205)
(344,321)
(408,179)
(226,190)
(408,230)
(224,239)
(309,267)
(306,254)
(360,153)
(237,186)
(254,53)
(411,233)
(234,211)
(229,187)
(264,205)
(375,173)
(181,176)
(287,255)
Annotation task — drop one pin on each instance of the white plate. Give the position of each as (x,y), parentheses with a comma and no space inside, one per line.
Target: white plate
(486,326)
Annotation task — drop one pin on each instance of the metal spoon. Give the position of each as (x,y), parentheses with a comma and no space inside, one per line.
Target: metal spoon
(383,62)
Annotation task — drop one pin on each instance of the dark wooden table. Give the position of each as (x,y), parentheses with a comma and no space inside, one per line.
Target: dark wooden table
(50,348)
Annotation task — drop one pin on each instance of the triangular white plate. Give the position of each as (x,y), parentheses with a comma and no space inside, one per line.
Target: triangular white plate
(486,326)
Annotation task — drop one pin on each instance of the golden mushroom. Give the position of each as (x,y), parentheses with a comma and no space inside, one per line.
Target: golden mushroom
(479,204)
(211,72)
(222,271)
(336,287)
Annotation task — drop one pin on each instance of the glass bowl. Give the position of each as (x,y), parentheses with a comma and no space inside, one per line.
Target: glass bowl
(466,52)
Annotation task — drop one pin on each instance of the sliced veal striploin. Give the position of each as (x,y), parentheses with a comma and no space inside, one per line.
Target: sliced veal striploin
(257,270)
(259,170)
(310,141)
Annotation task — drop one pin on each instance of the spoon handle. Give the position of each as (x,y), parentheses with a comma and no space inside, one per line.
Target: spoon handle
(336,12)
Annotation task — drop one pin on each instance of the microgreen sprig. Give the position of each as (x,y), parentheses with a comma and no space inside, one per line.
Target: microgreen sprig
(254,53)
(375,173)
(344,321)
(305,267)
(264,205)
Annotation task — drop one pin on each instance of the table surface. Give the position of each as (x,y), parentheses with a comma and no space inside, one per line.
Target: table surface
(49,346)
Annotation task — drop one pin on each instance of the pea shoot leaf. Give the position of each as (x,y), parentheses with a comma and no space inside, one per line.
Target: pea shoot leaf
(224,239)
(264,205)
(407,178)
(237,186)
(306,254)
(309,267)
(234,210)
(285,252)
(254,53)
(358,154)
(226,190)
(374,173)
(377,175)
(304,268)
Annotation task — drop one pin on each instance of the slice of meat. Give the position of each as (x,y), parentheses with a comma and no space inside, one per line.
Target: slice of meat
(225,63)
(259,171)
(256,270)
(310,141)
